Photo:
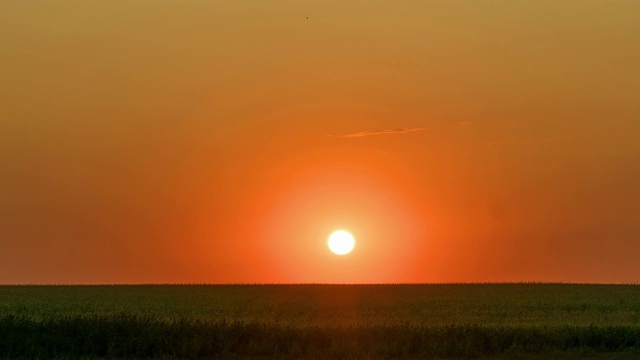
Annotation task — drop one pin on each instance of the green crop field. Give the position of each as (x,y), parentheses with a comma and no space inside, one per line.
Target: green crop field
(321,321)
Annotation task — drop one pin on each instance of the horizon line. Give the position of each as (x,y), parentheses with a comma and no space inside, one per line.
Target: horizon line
(324,284)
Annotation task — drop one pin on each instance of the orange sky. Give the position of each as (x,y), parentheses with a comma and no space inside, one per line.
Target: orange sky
(189,141)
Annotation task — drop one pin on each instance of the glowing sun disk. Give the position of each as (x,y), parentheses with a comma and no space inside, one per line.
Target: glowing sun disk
(341,242)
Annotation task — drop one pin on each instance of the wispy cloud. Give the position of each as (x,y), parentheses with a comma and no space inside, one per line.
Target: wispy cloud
(380,132)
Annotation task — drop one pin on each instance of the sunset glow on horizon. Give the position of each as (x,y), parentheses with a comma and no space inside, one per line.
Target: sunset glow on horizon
(224,142)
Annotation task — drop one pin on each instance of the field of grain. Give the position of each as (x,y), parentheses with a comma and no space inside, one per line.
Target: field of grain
(320,321)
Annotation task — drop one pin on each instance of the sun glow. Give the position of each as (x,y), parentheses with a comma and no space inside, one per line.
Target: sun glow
(341,242)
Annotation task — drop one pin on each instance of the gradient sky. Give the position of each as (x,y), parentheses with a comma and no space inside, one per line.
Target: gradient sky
(223,141)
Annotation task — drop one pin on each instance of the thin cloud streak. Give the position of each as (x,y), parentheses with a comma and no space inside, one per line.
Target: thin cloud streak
(380,132)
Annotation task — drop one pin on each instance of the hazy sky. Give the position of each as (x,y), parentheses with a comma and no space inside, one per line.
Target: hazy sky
(223,141)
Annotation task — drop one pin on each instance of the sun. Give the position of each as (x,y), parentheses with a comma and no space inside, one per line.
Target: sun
(341,242)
